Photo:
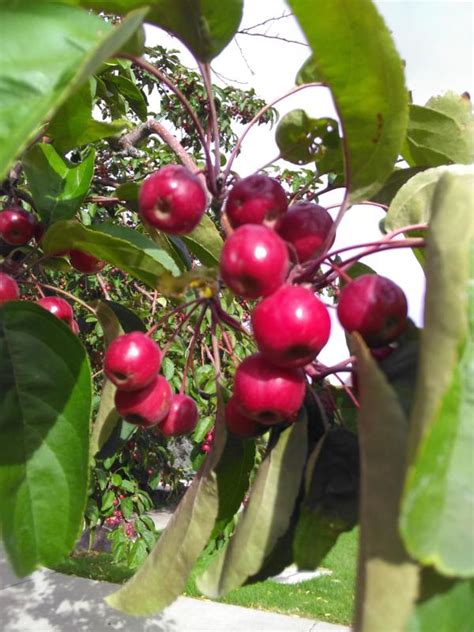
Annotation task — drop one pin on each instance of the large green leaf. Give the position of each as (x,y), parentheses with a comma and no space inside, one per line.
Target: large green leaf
(45,406)
(48,50)
(162,577)
(393,184)
(444,605)
(57,189)
(354,55)
(441,133)
(73,124)
(438,504)
(206,27)
(330,505)
(205,242)
(266,517)
(122,247)
(384,567)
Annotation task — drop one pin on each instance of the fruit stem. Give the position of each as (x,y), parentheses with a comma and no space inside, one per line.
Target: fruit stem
(255,119)
(170,313)
(196,335)
(68,295)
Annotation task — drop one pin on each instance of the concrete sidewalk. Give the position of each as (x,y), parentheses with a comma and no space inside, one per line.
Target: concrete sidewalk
(47,601)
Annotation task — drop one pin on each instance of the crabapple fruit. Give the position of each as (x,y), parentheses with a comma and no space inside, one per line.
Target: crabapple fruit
(254,261)
(375,307)
(147,406)
(291,326)
(84,262)
(9,290)
(257,199)
(132,361)
(267,393)
(58,307)
(305,227)
(173,200)
(17,226)
(182,417)
(240,424)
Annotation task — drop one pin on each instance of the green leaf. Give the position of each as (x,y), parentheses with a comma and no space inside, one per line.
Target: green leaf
(302,139)
(355,56)
(205,242)
(205,27)
(45,408)
(330,505)
(441,133)
(48,50)
(439,480)
(384,567)
(73,125)
(266,517)
(162,577)
(128,320)
(57,190)
(445,605)
(393,184)
(122,247)
(308,73)
(132,94)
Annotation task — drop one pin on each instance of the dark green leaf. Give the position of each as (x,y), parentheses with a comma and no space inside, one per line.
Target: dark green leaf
(48,50)
(132,93)
(45,407)
(58,190)
(439,481)
(384,567)
(123,247)
(128,320)
(355,56)
(73,125)
(330,505)
(266,517)
(205,242)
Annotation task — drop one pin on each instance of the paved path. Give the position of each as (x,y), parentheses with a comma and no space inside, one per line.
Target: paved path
(47,601)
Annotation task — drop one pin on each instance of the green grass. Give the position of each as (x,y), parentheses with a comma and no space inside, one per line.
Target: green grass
(328,598)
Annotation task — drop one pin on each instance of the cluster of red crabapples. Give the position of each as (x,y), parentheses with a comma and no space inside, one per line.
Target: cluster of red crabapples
(17,228)
(290,323)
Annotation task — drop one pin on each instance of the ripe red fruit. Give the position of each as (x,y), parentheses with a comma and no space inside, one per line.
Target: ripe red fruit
(256,199)
(240,424)
(172,200)
(147,406)
(84,262)
(306,227)
(267,393)
(58,307)
(375,307)
(75,327)
(132,361)
(291,326)
(9,290)
(182,417)
(254,261)
(17,226)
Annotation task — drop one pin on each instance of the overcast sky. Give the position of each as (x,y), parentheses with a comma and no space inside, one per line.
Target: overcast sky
(434,37)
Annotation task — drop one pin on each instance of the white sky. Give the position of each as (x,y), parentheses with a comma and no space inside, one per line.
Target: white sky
(434,37)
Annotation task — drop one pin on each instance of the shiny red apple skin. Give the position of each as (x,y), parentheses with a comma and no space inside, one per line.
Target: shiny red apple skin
(240,424)
(291,326)
(182,417)
(9,290)
(173,200)
(132,361)
(267,393)
(84,262)
(375,307)
(147,406)
(254,261)
(57,307)
(17,226)
(257,199)
(306,227)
